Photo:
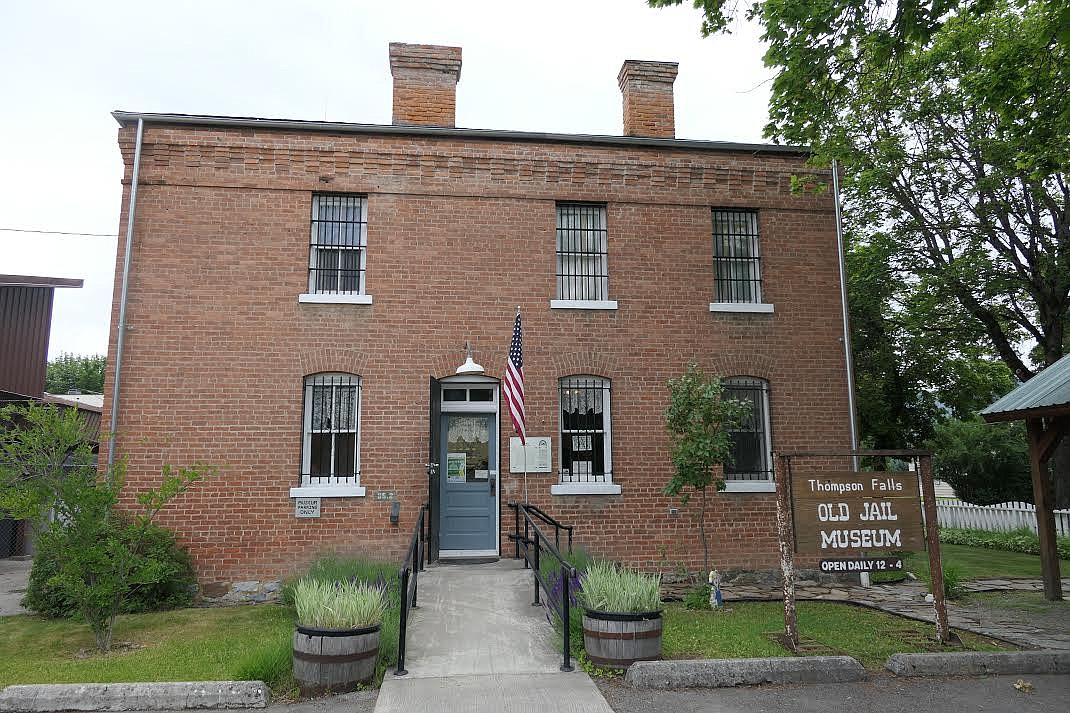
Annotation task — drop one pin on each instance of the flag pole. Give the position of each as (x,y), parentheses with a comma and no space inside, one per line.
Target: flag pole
(524,445)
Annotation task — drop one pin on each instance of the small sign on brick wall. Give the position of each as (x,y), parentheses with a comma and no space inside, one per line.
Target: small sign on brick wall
(306,507)
(538,455)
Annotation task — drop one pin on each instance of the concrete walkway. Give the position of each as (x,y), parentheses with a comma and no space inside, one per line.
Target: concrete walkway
(14,576)
(908,599)
(477,644)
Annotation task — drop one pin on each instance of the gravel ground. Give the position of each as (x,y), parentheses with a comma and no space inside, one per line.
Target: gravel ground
(879,695)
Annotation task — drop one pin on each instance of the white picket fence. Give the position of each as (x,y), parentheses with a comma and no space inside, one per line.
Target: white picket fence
(998,518)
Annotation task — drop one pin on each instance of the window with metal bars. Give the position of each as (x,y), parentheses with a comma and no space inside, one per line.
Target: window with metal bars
(582,265)
(751,445)
(331,450)
(737,262)
(586,439)
(338,248)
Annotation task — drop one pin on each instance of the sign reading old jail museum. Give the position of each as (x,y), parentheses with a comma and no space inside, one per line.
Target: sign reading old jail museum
(844,514)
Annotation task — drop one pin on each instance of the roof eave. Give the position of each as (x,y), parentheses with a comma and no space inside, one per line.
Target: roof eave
(127,117)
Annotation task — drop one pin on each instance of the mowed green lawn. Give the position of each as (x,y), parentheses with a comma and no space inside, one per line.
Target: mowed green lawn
(182,645)
(741,630)
(980,563)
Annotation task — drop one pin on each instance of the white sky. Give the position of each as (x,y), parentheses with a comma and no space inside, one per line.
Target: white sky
(537,66)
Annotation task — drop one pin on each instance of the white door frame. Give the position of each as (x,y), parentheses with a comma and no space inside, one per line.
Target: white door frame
(487,407)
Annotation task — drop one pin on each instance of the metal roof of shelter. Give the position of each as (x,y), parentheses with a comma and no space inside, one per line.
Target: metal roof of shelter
(1046,394)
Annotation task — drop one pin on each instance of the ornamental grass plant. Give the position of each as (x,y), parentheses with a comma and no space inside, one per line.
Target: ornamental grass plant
(338,605)
(609,588)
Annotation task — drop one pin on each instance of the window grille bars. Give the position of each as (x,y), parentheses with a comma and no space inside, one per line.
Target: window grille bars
(332,425)
(585,430)
(750,442)
(338,244)
(736,258)
(582,264)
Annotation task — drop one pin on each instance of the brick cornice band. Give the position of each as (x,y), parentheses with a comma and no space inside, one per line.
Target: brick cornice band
(634,70)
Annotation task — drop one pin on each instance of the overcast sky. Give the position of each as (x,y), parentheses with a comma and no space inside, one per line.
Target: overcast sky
(536,66)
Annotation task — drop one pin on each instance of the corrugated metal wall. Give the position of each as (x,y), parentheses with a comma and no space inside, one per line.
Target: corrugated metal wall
(25,319)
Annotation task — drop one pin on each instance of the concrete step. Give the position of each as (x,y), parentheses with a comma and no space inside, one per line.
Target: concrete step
(512,693)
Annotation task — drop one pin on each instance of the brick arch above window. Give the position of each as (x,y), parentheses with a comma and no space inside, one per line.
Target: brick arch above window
(333,359)
(758,366)
(585,363)
(445,364)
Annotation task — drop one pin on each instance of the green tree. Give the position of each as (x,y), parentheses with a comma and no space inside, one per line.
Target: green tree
(950,121)
(984,463)
(700,421)
(69,371)
(47,466)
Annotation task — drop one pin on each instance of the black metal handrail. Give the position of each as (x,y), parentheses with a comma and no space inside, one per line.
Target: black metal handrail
(408,577)
(542,515)
(532,543)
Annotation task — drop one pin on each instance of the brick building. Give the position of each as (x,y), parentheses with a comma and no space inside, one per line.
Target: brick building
(301,294)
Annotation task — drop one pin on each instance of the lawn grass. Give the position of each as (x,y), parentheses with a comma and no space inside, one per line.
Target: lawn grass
(740,630)
(979,563)
(181,645)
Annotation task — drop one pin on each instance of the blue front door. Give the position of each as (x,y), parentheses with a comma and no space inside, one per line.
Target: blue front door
(468,483)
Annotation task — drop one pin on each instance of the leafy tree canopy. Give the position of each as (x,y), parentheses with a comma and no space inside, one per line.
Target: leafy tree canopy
(70,371)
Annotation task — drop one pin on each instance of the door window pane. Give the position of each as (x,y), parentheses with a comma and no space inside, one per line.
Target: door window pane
(470,435)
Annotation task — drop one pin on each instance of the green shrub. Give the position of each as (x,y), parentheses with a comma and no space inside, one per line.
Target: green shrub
(1021,540)
(607,587)
(170,586)
(698,598)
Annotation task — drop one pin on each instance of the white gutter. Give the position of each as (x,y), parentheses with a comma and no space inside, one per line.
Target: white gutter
(848,359)
(130,213)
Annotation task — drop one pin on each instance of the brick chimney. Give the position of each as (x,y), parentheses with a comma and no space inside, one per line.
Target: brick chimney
(648,105)
(425,83)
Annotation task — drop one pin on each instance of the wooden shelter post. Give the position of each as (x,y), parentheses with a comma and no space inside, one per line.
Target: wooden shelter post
(1042,443)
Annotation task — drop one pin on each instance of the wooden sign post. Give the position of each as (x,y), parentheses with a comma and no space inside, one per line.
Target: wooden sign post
(842,515)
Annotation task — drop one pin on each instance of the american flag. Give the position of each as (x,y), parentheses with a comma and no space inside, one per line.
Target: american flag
(514,381)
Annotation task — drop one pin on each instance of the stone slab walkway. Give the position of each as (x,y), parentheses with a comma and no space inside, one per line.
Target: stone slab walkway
(477,644)
(908,599)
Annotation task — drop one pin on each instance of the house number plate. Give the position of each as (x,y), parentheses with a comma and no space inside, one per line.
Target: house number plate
(385,495)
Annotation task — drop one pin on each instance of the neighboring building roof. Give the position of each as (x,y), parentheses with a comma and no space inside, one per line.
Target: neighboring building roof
(85,401)
(28,281)
(338,127)
(1046,394)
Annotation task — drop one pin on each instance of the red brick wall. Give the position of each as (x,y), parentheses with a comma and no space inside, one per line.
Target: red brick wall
(460,233)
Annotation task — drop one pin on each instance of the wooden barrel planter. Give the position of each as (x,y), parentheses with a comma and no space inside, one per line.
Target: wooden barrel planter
(334,660)
(617,640)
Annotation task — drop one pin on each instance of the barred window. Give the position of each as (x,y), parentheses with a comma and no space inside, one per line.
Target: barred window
(751,445)
(736,260)
(338,248)
(582,269)
(586,440)
(331,449)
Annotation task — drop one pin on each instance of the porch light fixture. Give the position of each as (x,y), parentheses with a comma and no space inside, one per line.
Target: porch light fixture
(469,368)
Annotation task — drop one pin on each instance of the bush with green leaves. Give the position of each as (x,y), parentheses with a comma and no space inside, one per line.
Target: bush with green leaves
(985,463)
(47,468)
(338,605)
(1021,540)
(160,552)
(609,588)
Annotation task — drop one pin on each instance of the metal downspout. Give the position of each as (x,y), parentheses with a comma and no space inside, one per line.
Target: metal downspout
(848,358)
(130,213)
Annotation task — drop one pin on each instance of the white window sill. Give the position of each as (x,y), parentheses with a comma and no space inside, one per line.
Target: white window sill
(749,486)
(744,307)
(313,298)
(585,489)
(327,491)
(583,304)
